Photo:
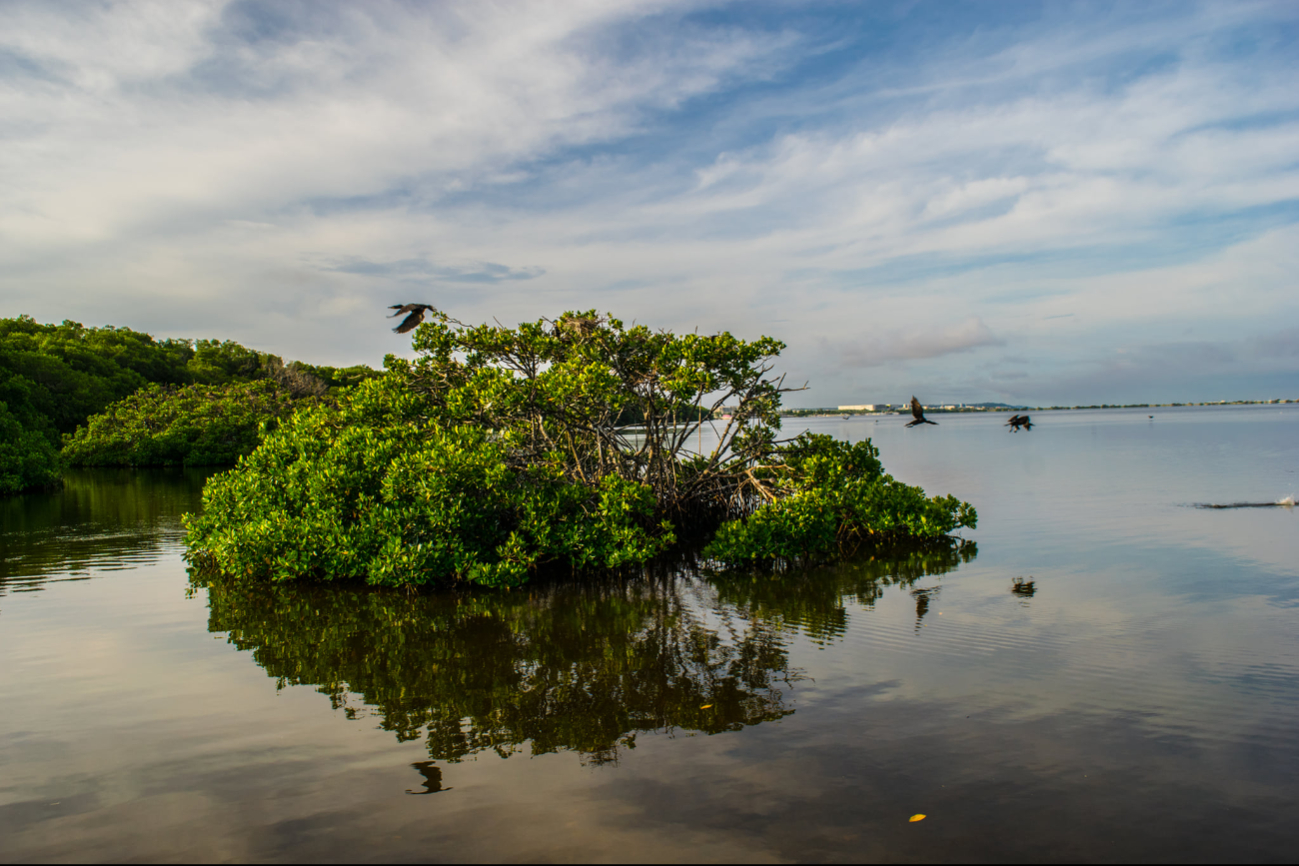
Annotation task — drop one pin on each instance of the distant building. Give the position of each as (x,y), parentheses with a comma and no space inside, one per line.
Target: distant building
(865,407)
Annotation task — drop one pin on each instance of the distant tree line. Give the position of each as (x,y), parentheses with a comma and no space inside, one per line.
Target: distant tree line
(54,378)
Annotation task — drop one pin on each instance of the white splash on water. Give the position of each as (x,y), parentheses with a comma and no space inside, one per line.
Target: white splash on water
(1284,502)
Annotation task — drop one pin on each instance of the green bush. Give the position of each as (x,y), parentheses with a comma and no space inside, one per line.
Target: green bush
(368,491)
(216,362)
(829,496)
(502,451)
(27,459)
(54,377)
(197,425)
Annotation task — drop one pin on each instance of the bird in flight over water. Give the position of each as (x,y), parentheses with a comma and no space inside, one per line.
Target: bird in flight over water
(919,414)
(416,316)
(1017,421)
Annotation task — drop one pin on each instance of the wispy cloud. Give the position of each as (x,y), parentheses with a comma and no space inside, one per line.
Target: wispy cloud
(1086,179)
(873,349)
(1277,344)
(422,270)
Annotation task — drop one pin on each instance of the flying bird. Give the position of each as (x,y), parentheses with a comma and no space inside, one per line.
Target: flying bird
(1017,421)
(416,316)
(919,414)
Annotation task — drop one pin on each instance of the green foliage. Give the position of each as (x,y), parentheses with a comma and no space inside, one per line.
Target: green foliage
(828,495)
(368,490)
(54,377)
(195,425)
(594,398)
(502,451)
(215,362)
(27,459)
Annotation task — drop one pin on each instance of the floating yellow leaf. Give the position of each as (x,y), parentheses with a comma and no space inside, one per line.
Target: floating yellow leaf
(915,818)
(706,707)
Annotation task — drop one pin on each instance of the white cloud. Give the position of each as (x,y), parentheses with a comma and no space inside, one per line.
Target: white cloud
(871,349)
(265,173)
(383,100)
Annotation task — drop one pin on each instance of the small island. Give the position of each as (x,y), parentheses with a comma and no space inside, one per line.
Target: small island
(569,445)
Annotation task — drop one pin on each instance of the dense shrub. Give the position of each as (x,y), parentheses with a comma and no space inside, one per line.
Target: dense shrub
(828,496)
(215,362)
(27,459)
(54,377)
(500,451)
(197,425)
(369,491)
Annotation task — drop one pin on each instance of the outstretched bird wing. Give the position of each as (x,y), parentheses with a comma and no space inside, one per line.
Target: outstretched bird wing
(917,412)
(410,322)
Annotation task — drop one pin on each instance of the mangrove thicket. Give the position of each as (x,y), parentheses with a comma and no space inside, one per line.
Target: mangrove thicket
(56,378)
(571,444)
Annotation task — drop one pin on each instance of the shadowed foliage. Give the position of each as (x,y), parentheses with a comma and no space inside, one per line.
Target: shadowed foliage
(27,459)
(55,377)
(194,425)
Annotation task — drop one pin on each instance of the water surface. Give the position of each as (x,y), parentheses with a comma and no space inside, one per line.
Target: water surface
(1110,674)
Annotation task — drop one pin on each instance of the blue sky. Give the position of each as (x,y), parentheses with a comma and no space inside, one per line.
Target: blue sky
(1032,203)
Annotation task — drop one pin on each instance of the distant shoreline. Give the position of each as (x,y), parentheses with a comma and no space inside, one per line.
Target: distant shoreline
(830,412)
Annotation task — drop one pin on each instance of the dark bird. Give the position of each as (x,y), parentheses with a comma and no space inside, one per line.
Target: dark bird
(416,316)
(919,414)
(1017,421)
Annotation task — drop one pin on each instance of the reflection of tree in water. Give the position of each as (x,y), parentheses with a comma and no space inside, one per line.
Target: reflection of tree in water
(1023,589)
(582,667)
(105,519)
(578,666)
(814,602)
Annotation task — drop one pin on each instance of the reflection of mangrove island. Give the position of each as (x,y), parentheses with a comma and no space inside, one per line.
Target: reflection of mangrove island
(813,601)
(582,666)
(99,518)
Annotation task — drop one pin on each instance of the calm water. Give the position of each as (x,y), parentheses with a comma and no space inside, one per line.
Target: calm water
(1114,674)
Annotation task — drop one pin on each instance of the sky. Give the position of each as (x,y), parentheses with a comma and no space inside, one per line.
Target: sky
(1057,203)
